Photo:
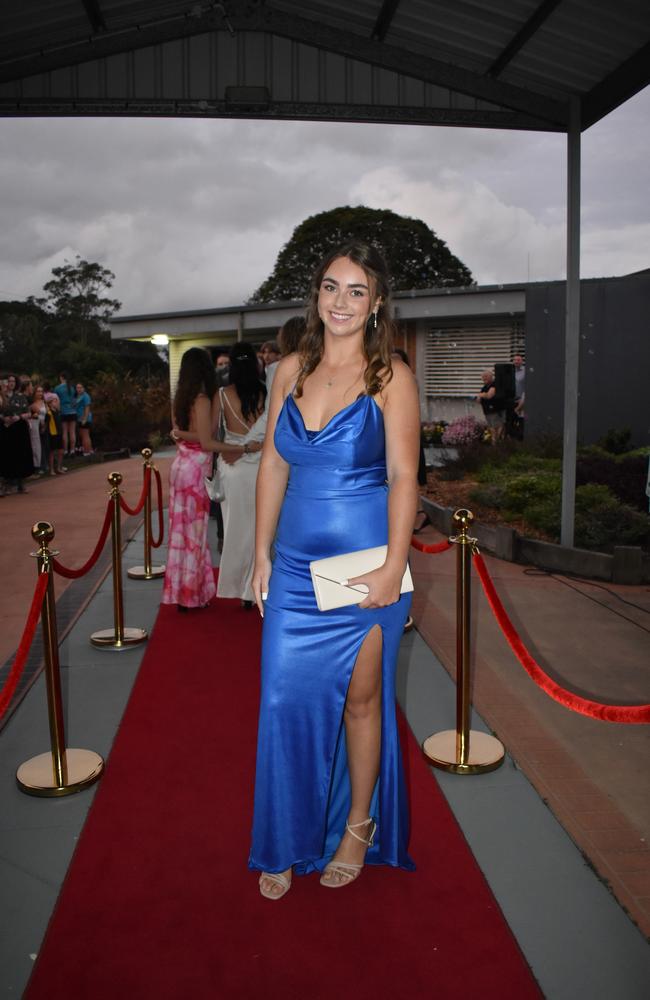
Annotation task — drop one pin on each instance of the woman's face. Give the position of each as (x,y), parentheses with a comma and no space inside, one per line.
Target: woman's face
(38,392)
(11,383)
(345,298)
(80,389)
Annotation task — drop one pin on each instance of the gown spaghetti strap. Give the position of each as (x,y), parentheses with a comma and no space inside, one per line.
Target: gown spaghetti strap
(336,502)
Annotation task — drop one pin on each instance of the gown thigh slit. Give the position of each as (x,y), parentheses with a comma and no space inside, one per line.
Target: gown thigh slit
(336,502)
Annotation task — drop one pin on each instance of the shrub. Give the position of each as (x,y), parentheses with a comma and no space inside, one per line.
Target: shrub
(529,489)
(616,441)
(625,475)
(432,432)
(127,410)
(463,433)
(490,495)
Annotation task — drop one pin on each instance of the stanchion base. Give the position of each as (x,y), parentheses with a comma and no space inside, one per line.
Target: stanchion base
(82,768)
(105,638)
(140,573)
(486,752)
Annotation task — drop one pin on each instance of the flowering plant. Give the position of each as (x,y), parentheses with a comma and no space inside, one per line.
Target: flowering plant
(464,431)
(432,432)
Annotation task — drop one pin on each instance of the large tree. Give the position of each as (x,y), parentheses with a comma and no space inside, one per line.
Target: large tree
(67,329)
(416,257)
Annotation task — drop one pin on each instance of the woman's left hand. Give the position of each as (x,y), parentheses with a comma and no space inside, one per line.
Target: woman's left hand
(383,587)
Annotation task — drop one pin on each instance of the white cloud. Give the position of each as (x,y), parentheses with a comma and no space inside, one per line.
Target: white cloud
(190,214)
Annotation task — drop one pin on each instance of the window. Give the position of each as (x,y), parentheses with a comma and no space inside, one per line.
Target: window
(456,357)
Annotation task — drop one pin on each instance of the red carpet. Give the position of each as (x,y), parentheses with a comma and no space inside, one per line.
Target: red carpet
(159,903)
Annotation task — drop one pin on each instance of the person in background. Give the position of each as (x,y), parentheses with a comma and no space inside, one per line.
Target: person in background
(520,376)
(16,460)
(269,353)
(492,406)
(242,409)
(54,431)
(84,419)
(289,337)
(189,580)
(222,367)
(66,392)
(40,408)
(36,420)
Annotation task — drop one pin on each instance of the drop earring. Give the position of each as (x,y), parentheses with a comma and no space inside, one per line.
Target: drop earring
(375,315)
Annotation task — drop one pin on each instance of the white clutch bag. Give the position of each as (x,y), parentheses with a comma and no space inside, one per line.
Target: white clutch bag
(327,574)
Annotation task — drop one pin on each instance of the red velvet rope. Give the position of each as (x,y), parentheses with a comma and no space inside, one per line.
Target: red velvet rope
(632,714)
(10,685)
(431,549)
(74,574)
(143,496)
(161,526)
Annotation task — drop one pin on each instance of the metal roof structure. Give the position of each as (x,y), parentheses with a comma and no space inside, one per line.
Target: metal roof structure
(490,63)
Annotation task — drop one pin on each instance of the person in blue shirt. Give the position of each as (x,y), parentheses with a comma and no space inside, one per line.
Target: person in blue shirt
(84,419)
(68,398)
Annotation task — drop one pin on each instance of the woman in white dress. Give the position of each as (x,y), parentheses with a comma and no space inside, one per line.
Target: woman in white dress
(243,418)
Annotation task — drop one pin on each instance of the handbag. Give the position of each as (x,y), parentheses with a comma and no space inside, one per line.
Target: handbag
(214,484)
(327,574)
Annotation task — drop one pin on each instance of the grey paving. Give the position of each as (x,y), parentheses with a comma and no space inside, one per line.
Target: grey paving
(576,938)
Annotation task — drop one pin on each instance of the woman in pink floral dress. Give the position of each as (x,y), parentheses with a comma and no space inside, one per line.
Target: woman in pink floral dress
(189,580)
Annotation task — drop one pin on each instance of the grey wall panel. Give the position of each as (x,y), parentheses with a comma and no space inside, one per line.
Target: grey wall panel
(90,79)
(614,358)
(200,67)
(335,78)
(280,76)
(147,71)
(173,71)
(117,76)
(190,75)
(308,75)
(227,63)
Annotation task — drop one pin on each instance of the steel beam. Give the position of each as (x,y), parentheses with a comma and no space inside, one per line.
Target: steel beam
(626,81)
(36,107)
(572,327)
(245,16)
(525,33)
(385,18)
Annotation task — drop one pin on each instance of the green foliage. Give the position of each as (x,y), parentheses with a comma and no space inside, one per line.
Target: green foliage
(624,474)
(416,257)
(529,486)
(127,411)
(66,330)
(616,442)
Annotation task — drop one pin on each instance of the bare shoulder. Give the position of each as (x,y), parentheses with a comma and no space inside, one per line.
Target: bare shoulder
(286,373)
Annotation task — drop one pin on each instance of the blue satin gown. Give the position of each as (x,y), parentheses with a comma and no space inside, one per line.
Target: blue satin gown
(336,502)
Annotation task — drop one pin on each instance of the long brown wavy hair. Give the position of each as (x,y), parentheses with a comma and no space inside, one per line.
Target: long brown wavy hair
(196,375)
(377,341)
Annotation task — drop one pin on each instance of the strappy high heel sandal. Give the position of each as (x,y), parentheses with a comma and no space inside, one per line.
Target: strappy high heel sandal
(277,879)
(347,871)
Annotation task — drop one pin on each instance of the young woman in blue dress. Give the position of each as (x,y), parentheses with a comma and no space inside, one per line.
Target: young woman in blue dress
(337,474)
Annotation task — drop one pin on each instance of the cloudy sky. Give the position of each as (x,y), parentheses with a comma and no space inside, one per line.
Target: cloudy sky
(191,214)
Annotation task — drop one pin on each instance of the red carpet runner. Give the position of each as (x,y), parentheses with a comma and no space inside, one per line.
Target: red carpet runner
(159,904)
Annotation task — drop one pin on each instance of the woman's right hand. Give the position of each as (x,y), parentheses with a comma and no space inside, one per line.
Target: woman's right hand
(260,581)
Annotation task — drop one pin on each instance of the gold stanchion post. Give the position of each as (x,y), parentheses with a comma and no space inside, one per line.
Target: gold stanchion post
(118,637)
(61,771)
(463,751)
(147,572)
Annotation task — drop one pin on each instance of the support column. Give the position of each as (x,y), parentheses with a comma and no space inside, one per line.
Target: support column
(572,326)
